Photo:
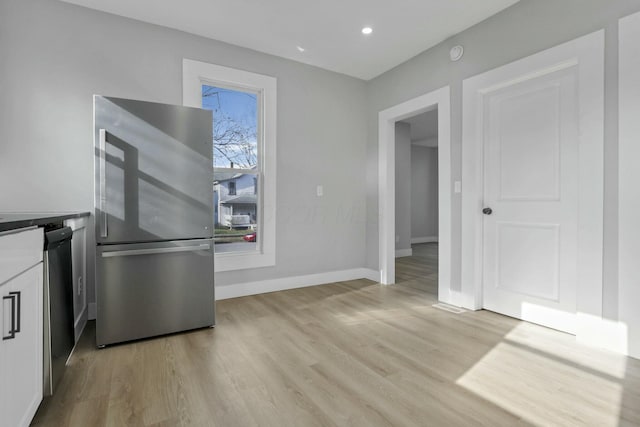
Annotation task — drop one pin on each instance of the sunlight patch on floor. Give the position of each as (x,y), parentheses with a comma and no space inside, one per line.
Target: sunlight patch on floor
(520,375)
(565,346)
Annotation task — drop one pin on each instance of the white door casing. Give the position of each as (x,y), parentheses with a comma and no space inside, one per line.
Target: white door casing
(629,190)
(545,221)
(439,99)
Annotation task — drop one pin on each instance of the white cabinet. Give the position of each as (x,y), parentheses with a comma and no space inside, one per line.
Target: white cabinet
(21,322)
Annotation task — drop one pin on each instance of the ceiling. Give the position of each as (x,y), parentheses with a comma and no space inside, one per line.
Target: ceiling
(424,128)
(328,30)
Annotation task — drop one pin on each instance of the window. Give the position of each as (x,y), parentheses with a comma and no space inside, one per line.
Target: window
(244,112)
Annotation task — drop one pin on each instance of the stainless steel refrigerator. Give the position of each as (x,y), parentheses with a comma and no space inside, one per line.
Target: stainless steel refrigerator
(154,219)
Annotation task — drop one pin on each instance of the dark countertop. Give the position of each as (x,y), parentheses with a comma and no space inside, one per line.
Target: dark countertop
(13,221)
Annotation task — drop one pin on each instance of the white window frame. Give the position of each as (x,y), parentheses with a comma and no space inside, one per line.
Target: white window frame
(194,75)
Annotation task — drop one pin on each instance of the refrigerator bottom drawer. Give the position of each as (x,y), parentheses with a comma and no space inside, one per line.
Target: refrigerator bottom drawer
(145,290)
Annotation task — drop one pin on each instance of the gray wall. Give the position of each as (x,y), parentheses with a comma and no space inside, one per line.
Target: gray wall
(521,30)
(424,192)
(403,185)
(55,56)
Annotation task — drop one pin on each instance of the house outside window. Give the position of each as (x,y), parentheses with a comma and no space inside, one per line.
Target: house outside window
(243,106)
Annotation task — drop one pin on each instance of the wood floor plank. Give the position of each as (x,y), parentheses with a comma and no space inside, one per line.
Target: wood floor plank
(349,354)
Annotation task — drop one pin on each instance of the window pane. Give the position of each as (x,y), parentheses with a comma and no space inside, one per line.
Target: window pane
(235,126)
(235,196)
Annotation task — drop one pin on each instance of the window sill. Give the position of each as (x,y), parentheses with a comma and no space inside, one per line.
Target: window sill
(243,261)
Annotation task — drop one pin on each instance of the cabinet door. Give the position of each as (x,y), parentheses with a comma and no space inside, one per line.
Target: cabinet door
(21,388)
(5,327)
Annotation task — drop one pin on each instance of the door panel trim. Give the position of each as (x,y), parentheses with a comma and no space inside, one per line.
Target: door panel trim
(587,55)
(501,227)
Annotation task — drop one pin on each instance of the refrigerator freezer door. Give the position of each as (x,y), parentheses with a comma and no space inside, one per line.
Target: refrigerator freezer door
(153,171)
(151,289)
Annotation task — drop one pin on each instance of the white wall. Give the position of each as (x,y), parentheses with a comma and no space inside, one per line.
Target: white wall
(521,30)
(403,187)
(55,56)
(424,192)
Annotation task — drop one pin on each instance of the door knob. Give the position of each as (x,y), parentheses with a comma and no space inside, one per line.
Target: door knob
(487,211)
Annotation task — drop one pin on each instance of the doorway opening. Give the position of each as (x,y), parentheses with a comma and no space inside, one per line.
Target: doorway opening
(438,103)
(416,222)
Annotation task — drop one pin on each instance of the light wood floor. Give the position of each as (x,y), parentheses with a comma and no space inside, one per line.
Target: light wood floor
(349,354)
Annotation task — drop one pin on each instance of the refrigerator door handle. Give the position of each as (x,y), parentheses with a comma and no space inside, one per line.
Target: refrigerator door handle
(156,251)
(103,184)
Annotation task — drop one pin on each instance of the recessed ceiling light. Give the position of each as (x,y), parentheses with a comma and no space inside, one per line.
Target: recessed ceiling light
(300,48)
(367,30)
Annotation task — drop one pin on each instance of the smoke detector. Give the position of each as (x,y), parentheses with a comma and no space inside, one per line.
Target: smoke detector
(456,53)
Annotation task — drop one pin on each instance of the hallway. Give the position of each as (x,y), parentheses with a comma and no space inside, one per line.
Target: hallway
(420,271)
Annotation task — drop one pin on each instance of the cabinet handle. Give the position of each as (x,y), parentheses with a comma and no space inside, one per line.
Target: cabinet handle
(17,294)
(12,332)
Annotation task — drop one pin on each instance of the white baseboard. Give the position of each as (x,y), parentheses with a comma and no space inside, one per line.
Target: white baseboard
(273,285)
(603,333)
(93,310)
(371,274)
(430,239)
(458,299)
(403,252)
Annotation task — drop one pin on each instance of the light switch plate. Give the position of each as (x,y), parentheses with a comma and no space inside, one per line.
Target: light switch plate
(457,187)
(319,191)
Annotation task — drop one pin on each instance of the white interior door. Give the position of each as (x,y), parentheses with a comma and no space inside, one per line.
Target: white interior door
(531,186)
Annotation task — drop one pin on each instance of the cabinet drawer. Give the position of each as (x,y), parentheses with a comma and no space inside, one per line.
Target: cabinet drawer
(19,251)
